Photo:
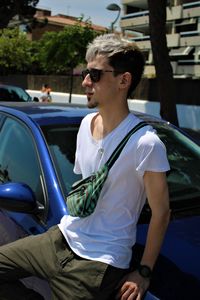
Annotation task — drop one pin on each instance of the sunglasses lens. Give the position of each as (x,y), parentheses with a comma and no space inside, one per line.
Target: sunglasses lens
(85,73)
(95,74)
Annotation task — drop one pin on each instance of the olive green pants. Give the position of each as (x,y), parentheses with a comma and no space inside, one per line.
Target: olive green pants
(49,257)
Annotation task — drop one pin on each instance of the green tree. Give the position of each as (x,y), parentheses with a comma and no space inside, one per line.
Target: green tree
(164,72)
(62,51)
(24,9)
(15,52)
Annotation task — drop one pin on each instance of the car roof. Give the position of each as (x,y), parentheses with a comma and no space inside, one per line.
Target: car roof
(10,86)
(45,113)
(48,113)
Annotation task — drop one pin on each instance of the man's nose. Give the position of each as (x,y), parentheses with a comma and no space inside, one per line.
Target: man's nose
(87,81)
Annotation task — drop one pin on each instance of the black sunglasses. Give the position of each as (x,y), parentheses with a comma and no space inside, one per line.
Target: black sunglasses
(95,74)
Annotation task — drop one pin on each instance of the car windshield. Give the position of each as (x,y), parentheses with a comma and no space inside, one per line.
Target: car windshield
(184,158)
(62,145)
(183,155)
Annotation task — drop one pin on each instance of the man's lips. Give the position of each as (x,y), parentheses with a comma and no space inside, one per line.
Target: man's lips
(89,95)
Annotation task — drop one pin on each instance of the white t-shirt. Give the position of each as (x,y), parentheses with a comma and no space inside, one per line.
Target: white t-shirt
(109,233)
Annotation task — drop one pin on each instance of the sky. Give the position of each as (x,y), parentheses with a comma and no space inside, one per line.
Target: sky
(93,9)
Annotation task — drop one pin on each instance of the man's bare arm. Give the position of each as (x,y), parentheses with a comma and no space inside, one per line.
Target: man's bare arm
(158,198)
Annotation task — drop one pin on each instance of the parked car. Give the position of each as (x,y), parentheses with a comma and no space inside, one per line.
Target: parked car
(15,93)
(37,152)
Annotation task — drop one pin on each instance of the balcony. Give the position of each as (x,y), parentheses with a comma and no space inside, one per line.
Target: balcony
(143,42)
(174,13)
(141,19)
(191,10)
(133,20)
(189,68)
(181,52)
(136,3)
(190,38)
(183,34)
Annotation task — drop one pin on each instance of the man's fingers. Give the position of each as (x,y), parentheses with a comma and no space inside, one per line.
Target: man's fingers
(127,291)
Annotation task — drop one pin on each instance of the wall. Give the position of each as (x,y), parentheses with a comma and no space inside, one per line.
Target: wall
(188,115)
(186,90)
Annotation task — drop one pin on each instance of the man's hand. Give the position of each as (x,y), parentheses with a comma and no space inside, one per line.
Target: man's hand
(133,287)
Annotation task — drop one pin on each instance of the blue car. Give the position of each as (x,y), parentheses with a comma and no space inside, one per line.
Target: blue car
(37,151)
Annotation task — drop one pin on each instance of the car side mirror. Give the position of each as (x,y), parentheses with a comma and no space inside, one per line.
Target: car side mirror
(17,197)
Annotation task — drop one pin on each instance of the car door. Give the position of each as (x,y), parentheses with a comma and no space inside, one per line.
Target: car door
(19,162)
(178,264)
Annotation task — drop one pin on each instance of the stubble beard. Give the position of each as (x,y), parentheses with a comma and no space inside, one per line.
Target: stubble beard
(92,103)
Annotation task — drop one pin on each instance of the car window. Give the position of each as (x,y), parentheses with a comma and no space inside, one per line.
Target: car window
(11,93)
(18,157)
(1,119)
(20,94)
(62,145)
(184,176)
(5,95)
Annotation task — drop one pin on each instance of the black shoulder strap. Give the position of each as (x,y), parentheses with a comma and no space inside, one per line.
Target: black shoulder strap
(114,156)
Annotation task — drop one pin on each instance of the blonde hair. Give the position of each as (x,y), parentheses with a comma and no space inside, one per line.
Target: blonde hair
(121,54)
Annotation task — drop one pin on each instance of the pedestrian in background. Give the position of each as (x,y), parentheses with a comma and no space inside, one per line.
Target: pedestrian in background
(45,93)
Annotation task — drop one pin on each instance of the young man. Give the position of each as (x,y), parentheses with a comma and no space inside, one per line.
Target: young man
(89,258)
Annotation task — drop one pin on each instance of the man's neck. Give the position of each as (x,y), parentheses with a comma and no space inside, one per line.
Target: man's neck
(107,121)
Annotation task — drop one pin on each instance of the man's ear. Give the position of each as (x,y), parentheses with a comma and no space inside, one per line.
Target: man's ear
(125,80)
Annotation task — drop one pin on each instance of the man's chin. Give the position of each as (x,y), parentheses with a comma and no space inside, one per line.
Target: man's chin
(92,104)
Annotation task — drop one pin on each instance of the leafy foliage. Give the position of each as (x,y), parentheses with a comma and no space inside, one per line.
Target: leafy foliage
(62,51)
(15,51)
(55,53)
(11,8)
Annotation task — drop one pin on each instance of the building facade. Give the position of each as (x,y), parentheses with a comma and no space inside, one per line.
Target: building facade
(182,32)
(48,22)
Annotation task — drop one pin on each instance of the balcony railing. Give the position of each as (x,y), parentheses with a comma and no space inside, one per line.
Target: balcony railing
(191,5)
(146,12)
(190,33)
(136,15)
(140,38)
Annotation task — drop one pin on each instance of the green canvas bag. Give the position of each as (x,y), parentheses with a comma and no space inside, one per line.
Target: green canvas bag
(84,194)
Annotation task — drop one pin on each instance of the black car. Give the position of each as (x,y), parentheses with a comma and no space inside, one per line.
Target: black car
(13,93)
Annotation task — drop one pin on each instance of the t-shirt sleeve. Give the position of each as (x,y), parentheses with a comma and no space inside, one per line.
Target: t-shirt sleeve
(77,168)
(80,142)
(151,154)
